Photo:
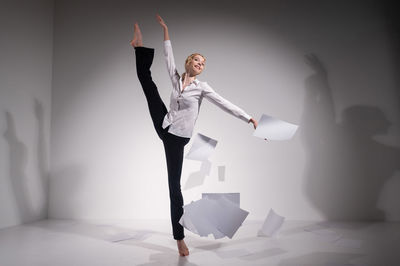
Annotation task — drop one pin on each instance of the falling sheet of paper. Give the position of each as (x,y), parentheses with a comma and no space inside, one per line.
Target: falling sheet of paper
(186,222)
(221,173)
(202,214)
(220,217)
(202,148)
(271,128)
(234,197)
(272,224)
(232,217)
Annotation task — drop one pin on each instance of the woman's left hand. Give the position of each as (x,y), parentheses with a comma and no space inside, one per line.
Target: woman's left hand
(252,120)
(255,124)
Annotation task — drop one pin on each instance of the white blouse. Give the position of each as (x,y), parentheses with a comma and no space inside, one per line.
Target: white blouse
(185,106)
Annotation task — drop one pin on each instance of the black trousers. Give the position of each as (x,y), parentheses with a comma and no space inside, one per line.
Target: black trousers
(173,145)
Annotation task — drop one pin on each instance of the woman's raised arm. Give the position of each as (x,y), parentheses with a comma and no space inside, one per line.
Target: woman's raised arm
(168,54)
(162,23)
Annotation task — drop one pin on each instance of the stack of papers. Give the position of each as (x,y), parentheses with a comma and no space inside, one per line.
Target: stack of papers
(233,197)
(213,215)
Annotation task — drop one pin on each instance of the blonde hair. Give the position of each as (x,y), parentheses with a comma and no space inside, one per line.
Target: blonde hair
(190,59)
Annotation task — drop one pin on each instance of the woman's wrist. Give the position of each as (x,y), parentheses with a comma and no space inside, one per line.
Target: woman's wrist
(166,34)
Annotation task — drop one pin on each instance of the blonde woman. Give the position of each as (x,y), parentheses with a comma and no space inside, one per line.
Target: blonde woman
(175,127)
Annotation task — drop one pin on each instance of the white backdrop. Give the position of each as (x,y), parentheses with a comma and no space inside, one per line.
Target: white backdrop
(108,163)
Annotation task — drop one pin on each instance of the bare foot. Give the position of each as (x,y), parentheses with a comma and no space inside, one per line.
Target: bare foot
(137,36)
(183,249)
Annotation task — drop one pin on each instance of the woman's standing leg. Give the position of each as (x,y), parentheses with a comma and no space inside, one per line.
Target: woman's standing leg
(174,149)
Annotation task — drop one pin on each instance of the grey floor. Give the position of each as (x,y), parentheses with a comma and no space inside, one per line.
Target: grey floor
(68,242)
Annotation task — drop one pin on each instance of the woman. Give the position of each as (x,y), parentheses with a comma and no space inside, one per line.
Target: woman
(175,127)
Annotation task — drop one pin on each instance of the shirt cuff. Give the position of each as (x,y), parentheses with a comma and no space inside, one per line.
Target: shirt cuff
(167,42)
(248,117)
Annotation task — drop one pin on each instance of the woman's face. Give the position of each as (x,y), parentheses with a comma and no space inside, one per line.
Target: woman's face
(196,66)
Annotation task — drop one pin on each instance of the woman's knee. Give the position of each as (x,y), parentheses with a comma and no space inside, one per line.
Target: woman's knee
(144,77)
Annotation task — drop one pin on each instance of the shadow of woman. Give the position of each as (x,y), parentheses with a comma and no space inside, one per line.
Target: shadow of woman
(18,155)
(43,165)
(346,168)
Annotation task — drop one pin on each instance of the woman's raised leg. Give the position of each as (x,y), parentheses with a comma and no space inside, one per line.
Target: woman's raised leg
(144,59)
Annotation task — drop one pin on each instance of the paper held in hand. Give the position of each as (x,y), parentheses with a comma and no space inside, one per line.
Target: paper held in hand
(271,128)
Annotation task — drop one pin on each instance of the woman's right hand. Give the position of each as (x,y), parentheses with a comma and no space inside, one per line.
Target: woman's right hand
(161,21)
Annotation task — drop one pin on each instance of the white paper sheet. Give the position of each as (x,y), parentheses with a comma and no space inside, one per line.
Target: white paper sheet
(123,236)
(202,148)
(221,173)
(327,237)
(323,233)
(186,222)
(118,237)
(220,217)
(271,128)
(348,243)
(232,253)
(271,225)
(202,213)
(234,197)
(230,218)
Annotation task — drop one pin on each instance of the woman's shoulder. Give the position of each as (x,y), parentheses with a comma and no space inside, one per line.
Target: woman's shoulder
(205,87)
(202,83)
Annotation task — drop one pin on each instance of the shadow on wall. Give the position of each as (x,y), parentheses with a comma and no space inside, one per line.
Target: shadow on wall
(21,183)
(18,161)
(197,178)
(43,163)
(346,168)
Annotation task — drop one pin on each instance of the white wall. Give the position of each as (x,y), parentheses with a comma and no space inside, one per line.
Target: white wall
(25,96)
(107,161)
